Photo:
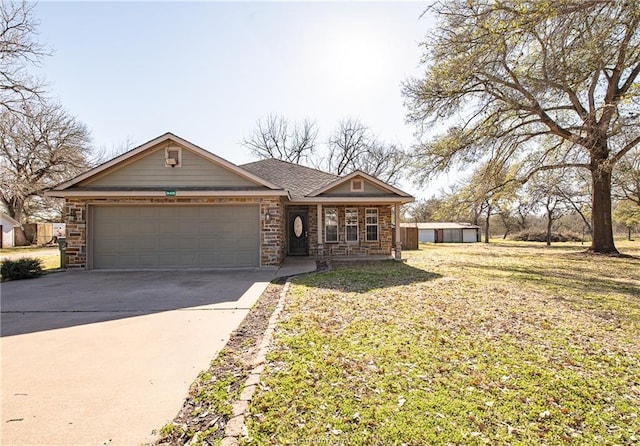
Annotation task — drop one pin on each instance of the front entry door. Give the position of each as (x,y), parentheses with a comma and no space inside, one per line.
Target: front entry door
(298,233)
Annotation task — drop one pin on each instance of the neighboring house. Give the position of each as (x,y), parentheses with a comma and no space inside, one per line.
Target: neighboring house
(171,204)
(446,232)
(7,236)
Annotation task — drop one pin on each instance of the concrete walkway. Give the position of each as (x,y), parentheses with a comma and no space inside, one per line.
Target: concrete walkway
(292,266)
(122,365)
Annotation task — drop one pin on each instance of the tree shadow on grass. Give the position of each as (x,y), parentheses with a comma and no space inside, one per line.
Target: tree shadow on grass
(364,277)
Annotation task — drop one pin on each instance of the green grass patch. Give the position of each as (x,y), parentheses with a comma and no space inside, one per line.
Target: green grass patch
(50,257)
(506,343)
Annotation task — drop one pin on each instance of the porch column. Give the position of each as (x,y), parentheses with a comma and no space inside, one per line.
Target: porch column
(320,234)
(398,247)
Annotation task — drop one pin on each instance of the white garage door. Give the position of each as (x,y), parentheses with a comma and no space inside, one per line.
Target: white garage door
(175,237)
(426,235)
(469,236)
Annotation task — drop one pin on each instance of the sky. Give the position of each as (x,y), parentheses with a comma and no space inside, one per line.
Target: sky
(208,71)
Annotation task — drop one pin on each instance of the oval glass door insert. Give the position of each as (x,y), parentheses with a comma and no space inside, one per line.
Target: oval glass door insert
(297,226)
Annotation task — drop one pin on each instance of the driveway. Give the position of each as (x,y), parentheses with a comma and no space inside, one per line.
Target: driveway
(106,357)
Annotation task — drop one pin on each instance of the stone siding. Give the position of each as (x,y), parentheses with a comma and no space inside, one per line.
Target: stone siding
(383,246)
(272,237)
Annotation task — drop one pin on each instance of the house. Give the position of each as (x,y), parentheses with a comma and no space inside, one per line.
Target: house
(7,236)
(446,232)
(171,204)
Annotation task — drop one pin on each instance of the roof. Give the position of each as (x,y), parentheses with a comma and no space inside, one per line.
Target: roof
(160,139)
(439,225)
(12,221)
(299,180)
(359,173)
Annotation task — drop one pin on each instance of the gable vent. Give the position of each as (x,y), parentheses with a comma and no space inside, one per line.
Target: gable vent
(357,185)
(173,157)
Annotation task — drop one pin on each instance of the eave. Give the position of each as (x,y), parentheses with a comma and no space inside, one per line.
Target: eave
(163,193)
(352,200)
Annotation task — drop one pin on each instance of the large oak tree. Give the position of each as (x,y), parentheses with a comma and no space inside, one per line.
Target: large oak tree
(19,49)
(40,146)
(548,84)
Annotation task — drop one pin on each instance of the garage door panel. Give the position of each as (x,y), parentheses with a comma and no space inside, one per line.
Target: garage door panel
(175,236)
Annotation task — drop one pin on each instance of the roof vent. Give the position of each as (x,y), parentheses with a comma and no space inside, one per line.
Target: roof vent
(172,156)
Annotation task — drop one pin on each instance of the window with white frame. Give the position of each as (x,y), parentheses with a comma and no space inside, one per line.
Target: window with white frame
(351,224)
(371,222)
(330,225)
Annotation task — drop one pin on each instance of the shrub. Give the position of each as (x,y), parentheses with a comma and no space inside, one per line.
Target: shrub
(25,268)
(540,235)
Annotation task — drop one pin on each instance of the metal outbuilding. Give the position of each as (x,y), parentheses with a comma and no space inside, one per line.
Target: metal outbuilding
(445,232)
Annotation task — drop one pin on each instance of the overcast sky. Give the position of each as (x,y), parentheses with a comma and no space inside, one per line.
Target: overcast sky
(207,71)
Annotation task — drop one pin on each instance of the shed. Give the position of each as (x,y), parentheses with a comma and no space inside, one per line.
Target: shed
(7,236)
(446,232)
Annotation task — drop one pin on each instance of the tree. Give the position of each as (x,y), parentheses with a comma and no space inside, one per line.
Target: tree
(18,49)
(40,147)
(353,146)
(423,210)
(628,213)
(274,137)
(547,188)
(627,178)
(518,72)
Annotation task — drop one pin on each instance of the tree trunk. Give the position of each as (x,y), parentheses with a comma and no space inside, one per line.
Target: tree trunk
(15,211)
(601,209)
(549,225)
(486,225)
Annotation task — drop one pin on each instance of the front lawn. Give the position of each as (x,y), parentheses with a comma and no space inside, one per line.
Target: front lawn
(507,343)
(50,256)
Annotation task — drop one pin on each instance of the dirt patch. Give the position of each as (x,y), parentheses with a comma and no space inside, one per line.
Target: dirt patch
(207,408)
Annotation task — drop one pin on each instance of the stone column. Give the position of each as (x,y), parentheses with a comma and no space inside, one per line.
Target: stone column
(398,247)
(320,233)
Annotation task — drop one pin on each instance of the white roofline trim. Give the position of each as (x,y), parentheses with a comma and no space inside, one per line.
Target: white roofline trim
(160,139)
(352,200)
(162,193)
(13,221)
(366,176)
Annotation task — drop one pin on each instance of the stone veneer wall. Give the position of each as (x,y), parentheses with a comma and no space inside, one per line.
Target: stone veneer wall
(383,246)
(272,237)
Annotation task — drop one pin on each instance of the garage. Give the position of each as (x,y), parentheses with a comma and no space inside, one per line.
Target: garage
(174,236)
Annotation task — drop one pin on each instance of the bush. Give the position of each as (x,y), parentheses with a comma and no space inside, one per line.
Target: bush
(540,235)
(25,268)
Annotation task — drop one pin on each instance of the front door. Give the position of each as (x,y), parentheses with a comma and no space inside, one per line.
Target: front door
(298,233)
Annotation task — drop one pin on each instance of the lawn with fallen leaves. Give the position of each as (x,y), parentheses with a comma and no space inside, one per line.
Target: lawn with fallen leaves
(506,343)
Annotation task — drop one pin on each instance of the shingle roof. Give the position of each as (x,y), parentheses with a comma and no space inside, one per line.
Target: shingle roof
(298,180)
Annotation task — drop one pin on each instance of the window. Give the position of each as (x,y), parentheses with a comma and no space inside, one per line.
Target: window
(330,225)
(173,156)
(351,224)
(357,186)
(372,225)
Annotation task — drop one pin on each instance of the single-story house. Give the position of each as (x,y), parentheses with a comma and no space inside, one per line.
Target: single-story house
(446,232)
(7,235)
(171,204)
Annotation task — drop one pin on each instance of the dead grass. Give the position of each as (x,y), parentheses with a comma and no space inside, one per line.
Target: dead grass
(507,343)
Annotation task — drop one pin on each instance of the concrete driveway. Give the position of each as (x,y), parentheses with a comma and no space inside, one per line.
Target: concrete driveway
(98,358)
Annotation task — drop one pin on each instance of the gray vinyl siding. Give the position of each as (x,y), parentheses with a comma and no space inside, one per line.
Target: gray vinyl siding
(345,189)
(151,171)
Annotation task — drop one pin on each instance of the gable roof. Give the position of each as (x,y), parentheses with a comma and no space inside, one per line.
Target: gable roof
(299,180)
(366,176)
(101,169)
